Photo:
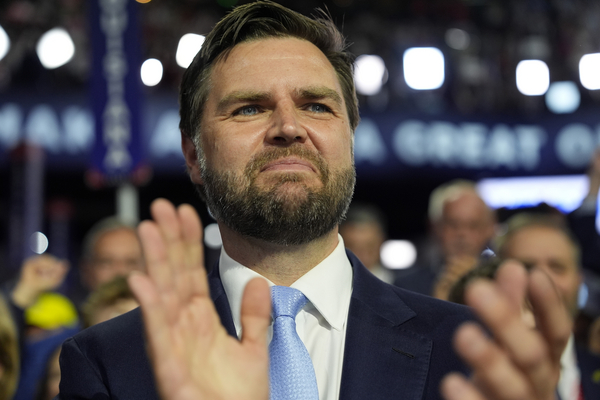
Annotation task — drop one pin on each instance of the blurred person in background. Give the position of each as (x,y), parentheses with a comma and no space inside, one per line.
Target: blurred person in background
(9,352)
(48,323)
(111,248)
(110,300)
(364,231)
(38,274)
(463,226)
(544,243)
(582,221)
(48,385)
(593,341)
(27,299)
(486,269)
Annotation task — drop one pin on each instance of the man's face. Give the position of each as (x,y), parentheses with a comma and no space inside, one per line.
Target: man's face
(551,251)
(466,227)
(116,253)
(277,142)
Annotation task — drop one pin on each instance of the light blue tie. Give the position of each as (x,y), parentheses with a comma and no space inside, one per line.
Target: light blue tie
(292,376)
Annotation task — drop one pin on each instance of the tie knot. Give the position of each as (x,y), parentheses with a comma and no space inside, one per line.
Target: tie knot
(287,301)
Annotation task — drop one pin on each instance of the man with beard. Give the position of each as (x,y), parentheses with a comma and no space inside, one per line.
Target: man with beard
(268,110)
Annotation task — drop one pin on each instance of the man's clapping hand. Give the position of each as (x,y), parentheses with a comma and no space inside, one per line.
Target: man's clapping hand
(192,355)
(518,362)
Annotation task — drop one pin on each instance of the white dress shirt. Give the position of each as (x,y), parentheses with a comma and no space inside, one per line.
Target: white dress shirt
(569,384)
(321,324)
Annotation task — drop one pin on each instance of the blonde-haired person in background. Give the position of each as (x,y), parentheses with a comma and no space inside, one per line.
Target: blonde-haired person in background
(109,300)
(9,353)
(27,300)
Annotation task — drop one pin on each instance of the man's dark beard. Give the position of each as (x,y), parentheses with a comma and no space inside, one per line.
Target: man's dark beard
(277,216)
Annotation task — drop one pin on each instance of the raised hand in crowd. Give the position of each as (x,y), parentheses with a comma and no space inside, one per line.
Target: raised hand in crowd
(454,269)
(39,274)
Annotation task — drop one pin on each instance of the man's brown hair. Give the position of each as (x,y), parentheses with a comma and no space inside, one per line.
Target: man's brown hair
(259,20)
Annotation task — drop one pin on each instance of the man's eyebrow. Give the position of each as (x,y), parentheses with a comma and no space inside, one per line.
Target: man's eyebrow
(319,92)
(240,96)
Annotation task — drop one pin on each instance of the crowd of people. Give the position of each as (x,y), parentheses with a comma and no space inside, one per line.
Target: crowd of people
(469,242)
(281,83)
(36,318)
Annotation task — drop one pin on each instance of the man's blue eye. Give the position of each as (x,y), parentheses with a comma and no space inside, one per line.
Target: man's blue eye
(247,110)
(319,108)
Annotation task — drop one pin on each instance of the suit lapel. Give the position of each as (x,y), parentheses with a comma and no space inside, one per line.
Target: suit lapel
(383,358)
(218,296)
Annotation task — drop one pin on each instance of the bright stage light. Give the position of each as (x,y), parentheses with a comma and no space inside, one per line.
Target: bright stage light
(55,48)
(458,39)
(424,68)
(151,72)
(563,97)
(189,45)
(564,192)
(589,71)
(4,43)
(369,74)
(398,254)
(212,236)
(38,242)
(533,77)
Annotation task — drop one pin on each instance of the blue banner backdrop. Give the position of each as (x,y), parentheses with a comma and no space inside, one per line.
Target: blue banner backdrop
(386,144)
(115,88)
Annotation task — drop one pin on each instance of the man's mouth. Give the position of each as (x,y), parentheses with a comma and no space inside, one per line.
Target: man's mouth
(289,164)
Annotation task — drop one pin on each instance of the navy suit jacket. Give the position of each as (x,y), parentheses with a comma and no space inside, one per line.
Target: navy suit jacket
(589,366)
(398,346)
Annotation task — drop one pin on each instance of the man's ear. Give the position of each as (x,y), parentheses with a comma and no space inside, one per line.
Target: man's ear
(191,160)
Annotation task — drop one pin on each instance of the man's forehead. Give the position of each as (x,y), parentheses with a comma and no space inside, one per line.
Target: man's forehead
(246,57)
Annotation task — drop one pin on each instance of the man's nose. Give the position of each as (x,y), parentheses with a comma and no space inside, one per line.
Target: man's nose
(286,127)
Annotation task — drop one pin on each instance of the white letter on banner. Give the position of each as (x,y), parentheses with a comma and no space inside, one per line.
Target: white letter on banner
(11,119)
(471,140)
(368,144)
(575,145)
(113,20)
(117,158)
(531,139)
(42,128)
(409,142)
(501,150)
(78,125)
(441,143)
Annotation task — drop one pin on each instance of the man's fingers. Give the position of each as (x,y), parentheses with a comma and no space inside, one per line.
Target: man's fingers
(156,323)
(256,312)
(155,254)
(512,280)
(552,318)
(191,229)
(455,387)
(492,368)
(165,216)
(154,313)
(525,347)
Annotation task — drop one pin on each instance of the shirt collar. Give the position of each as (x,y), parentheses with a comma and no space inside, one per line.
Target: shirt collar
(328,286)
(568,358)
